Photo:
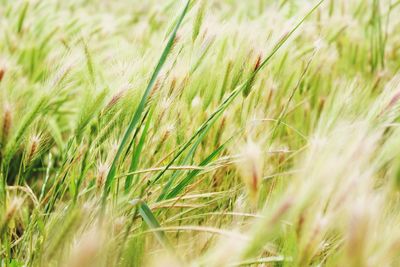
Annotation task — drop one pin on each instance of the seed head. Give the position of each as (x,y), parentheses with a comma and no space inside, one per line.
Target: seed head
(33,148)
(196,102)
(87,249)
(12,208)
(2,72)
(102,171)
(114,100)
(319,44)
(7,122)
(15,205)
(251,166)
(358,229)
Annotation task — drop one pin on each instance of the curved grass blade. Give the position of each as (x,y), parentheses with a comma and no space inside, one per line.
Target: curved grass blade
(142,104)
(136,154)
(188,179)
(151,221)
(22,16)
(183,162)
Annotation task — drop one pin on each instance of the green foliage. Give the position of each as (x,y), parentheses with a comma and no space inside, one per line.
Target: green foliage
(199,133)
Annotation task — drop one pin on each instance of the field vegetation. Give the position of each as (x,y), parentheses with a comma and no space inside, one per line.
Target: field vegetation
(200,133)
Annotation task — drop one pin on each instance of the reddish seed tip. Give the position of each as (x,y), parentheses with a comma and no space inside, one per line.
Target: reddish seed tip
(2,72)
(258,63)
(175,41)
(114,100)
(394,99)
(7,120)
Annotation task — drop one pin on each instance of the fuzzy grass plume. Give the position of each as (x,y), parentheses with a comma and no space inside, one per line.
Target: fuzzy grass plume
(199,133)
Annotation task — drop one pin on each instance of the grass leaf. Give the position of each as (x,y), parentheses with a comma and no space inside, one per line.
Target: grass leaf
(141,107)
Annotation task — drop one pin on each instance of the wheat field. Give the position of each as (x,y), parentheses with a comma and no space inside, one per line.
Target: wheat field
(199,133)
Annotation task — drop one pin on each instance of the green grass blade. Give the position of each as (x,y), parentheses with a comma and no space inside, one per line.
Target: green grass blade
(183,162)
(189,178)
(136,154)
(142,104)
(151,221)
(22,16)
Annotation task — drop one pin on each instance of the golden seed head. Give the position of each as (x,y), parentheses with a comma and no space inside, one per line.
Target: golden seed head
(87,249)
(33,147)
(251,166)
(169,128)
(114,100)
(165,103)
(196,102)
(102,171)
(15,204)
(7,120)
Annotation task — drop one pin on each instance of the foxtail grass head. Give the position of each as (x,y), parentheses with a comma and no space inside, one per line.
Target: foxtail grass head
(251,168)
(7,122)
